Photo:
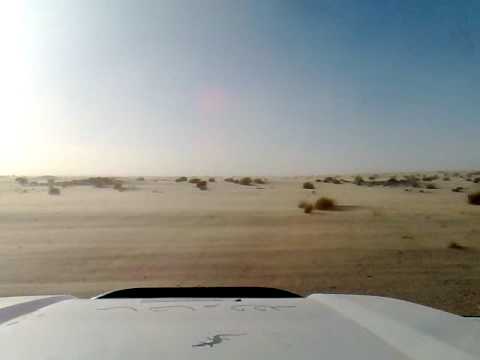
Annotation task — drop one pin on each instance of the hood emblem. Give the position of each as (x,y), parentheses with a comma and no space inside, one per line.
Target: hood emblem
(216,339)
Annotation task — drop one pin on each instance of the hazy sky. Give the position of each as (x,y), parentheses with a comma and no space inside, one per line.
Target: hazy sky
(238,87)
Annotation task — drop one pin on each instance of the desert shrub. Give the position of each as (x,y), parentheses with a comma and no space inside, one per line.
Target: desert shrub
(230,179)
(140,178)
(202,185)
(474,198)
(325,203)
(246,181)
(456,246)
(302,204)
(336,181)
(458,189)
(308,208)
(358,180)
(430,178)
(412,181)
(194,180)
(259,181)
(372,177)
(328,179)
(181,179)
(476,180)
(101,182)
(446,178)
(308,185)
(212,179)
(431,186)
(118,186)
(21,180)
(53,191)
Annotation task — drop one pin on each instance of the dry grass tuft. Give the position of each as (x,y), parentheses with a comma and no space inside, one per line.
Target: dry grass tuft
(474,198)
(308,185)
(325,203)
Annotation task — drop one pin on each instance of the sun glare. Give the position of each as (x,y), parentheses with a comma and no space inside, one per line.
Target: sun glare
(16,84)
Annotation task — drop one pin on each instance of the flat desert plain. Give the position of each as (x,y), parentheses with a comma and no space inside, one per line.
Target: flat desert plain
(380,240)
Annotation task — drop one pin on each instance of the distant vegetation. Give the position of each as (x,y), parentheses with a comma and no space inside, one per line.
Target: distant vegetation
(259,181)
(358,180)
(308,185)
(212,179)
(202,185)
(53,190)
(140,178)
(429,177)
(181,179)
(21,180)
(246,181)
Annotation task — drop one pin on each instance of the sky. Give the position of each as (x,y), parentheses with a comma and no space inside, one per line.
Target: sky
(208,87)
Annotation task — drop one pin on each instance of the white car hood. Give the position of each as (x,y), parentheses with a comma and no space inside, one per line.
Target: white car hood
(316,327)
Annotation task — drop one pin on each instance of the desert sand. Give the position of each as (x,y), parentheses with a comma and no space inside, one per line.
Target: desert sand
(381,240)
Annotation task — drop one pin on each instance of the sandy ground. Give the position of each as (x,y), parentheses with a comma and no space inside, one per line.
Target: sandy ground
(383,241)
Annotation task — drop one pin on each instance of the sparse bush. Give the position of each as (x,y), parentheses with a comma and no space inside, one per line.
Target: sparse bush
(246,181)
(446,178)
(412,181)
(230,179)
(308,185)
(430,178)
(259,181)
(53,191)
(194,180)
(476,180)
(474,198)
(202,185)
(302,204)
(336,182)
(308,208)
(358,180)
(456,246)
(118,186)
(22,180)
(212,179)
(181,179)
(140,178)
(372,177)
(328,179)
(431,186)
(458,189)
(325,203)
